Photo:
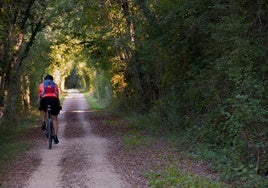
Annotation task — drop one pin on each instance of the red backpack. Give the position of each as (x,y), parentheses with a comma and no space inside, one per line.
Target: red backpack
(49,87)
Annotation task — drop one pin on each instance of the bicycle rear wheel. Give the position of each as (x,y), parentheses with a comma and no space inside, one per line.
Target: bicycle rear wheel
(49,131)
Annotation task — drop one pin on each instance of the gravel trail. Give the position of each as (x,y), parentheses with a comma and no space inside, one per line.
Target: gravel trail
(92,154)
(80,159)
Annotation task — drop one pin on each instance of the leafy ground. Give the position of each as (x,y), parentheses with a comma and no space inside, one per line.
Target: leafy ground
(17,164)
(147,161)
(143,160)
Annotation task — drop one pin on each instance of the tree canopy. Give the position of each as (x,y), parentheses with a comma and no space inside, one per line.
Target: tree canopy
(189,66)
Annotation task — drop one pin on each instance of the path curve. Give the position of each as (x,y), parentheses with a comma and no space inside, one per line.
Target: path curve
(79,160)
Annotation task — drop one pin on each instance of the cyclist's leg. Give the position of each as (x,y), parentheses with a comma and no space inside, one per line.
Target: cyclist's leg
(56,128)
(54,115)
(55,123)
(42,108)
(44,115)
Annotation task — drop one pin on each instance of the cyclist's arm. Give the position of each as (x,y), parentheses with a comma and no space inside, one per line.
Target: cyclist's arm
(57,91)
(40,90)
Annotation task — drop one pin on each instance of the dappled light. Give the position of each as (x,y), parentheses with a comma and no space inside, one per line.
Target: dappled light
(185,69)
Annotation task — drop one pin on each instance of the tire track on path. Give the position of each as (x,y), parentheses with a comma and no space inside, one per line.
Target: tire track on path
(79,160)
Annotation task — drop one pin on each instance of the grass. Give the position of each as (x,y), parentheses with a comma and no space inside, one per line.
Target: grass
(9,151)
(173,177)
(114,123)
(137,141)
(170,176)
(94,105)
(10,144)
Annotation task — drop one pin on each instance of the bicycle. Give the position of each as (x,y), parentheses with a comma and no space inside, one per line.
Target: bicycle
(49,129)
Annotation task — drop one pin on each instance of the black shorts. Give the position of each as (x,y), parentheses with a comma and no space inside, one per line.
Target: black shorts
(54,104)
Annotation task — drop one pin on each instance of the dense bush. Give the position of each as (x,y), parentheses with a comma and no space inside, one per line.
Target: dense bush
(202,67)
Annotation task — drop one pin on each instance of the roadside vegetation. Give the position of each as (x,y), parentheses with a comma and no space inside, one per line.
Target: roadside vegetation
(224,161)
(13,140)
(194,72)
(187,146)
(173,177)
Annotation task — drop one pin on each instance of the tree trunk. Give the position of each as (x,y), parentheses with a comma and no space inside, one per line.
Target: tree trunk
(13,55)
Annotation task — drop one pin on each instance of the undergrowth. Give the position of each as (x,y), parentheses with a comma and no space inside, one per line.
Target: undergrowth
(135,139)
(226,160)
(94,104)
(173,177)
(10,143)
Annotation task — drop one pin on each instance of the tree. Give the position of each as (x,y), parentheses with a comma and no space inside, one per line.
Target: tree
(21,22)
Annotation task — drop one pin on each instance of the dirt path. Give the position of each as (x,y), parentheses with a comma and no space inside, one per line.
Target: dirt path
(92,153)
(79,160)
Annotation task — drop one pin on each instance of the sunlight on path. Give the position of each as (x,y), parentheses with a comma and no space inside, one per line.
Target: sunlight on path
(78,160)
(98,171)
(47,175)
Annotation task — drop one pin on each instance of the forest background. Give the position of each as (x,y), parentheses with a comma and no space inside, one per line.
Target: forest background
(196,70)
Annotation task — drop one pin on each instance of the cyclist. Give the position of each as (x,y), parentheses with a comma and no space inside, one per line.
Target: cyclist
(49,94)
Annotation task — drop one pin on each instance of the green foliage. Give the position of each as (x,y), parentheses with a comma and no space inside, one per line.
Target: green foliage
(211,83)
(72,81)
(173,177)
(94,104)
(185,67)
(150,120)
(229,161)
(9,151)
(10,144)
(137,141)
